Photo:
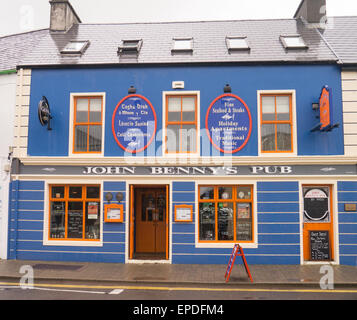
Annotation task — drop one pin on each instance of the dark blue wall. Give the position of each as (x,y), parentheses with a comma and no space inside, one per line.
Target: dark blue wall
(57,84)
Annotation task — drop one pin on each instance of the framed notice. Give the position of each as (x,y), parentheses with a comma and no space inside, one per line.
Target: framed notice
(183,213)
(114,213)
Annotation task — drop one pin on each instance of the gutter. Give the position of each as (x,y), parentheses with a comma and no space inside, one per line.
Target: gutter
(11,71)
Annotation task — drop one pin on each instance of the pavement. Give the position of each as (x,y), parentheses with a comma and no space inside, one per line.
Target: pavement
(177,274)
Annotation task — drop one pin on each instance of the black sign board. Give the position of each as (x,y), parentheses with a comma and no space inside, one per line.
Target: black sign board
(75,224)
(319,245)
(316,205)
(244,230)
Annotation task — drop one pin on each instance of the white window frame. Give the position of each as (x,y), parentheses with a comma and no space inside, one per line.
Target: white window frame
(188,39)
(230,48)
(73,95)
(46,219)
(297,36)
(294,129)
(198,134)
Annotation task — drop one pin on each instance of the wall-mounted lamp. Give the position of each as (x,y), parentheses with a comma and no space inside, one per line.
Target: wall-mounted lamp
(44,113)
(119,196)
(227,88)
(132,90)
(108,196)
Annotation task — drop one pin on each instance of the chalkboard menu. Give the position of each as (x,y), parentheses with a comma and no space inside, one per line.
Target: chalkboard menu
(75,224)
(244,229)
(319,245)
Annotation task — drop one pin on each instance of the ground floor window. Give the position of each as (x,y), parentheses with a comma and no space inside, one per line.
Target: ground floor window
(226,213)
(74,212)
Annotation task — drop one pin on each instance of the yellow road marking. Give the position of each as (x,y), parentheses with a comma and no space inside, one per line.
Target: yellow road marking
(49,285)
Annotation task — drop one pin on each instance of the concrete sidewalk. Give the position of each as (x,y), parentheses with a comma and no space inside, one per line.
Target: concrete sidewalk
(173,274)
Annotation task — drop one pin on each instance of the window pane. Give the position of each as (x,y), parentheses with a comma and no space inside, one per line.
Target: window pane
(173,138)
(207,221)
(284,137)
(82,110)
(189,137)
(225,193)
(95,138)
(188,109)
(294,42)
(268,108)
(283,107)
(206,193)
(174,109)
(57,192)
(80,139)
(75,220)
(244,193)
(75,192)
(95,109)
(93,192)
(225,221)
(57,220)
(92,222)
(268,137)
(237,43)
(244,221)
(182,44)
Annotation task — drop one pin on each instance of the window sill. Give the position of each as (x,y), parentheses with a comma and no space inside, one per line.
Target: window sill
(251,245)
(71,243)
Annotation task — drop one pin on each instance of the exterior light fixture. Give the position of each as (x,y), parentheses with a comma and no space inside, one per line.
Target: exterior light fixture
(132,90)
(119,196)
(108,196)
(227,88)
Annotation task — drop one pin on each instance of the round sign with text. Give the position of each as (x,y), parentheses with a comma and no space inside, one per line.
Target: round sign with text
(134,123)
(228,123)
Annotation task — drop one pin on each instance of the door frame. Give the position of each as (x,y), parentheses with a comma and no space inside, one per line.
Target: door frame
(130,238)
(334,216)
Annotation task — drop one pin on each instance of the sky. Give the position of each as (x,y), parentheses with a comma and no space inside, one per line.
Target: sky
(18,16)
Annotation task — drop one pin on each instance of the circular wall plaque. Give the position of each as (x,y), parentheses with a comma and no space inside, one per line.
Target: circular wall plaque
(134,123)
(316,205)
(228,123)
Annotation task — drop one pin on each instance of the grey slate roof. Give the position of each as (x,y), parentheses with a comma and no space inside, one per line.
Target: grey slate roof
(209,43)
(341,34)
(13,48)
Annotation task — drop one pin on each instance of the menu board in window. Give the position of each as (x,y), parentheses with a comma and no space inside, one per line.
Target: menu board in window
(319,245)
(75,224)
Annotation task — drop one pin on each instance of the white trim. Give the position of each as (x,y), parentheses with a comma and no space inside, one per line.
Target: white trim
(333,190)
(294,129)
(71,119)
(198,132)
(254,244)
(76,243)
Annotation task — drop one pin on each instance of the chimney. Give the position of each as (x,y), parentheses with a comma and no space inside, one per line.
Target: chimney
(63,16)
(312,11)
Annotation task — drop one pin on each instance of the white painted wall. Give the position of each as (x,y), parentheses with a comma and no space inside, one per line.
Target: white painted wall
(7,112)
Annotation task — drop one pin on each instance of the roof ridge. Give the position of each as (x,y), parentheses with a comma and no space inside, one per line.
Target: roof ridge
(23,33)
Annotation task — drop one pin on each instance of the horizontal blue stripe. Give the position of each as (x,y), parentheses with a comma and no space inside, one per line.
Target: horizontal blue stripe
(347,217)
(347,186)
(348,238)
(278,228)
(30,235)
(347,196)
(183,186)
(183,196)
(30,205)
(183,227)
(273,196)
(278,217)
(31,185)
(278,238)
(278,207)
(74,257)
(114,237)
(347,228)
(29,215)
(183,238)
(114,185)
(348,261)
(278,186)
(348,249)
(114,226)
(30,195)
(30,225)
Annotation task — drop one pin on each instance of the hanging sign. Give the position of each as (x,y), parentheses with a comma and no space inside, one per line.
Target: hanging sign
(134,123)
(228,123)
(325,107)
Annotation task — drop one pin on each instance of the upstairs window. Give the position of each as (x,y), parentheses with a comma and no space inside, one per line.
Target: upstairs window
(276,125)
(75,47)
(130,47)
(87,126)
(182,44)
(237,43)
(293,42)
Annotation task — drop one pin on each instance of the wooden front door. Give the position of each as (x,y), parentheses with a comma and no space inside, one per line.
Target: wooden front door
(151,221)
(318,240)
